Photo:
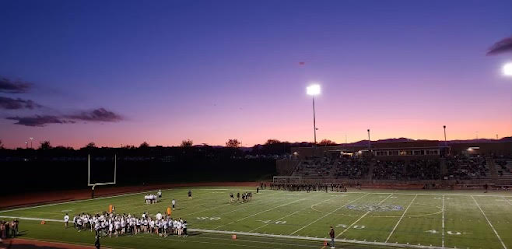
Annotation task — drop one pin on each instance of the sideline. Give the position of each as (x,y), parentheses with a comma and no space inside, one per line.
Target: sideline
(397,245)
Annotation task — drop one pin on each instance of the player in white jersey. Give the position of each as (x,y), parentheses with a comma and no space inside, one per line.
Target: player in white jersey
(173,203)
(185,228)
(79,224)
(110,228)
(66,220)
(165,227)
(180,228)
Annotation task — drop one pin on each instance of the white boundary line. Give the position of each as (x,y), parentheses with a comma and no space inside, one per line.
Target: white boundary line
(485,216)
(275,236)
(442,224)
(317,239)
(84,200)
(394,228)
(77,201)
(329,213)
(360,218)
(425,194)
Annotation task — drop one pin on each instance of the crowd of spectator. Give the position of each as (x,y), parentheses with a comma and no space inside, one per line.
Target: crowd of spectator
(400,169)
(466,168)
(309,187)
(333,167)
(503,167)
(424,169)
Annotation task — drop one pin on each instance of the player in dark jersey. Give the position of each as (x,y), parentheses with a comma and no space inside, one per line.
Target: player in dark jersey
(190,194)
(231,196)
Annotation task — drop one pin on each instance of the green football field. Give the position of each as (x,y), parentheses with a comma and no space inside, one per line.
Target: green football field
(283,219)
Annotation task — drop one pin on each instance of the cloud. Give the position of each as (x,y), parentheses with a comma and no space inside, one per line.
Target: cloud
(8,86)
(39,121)
(97,115)
(15,104)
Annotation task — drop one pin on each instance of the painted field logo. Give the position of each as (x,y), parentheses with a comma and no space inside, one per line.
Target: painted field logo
(375,208)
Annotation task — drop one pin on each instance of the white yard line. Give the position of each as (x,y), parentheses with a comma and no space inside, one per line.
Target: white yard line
(394,228)
(275,236)
(489,222)
(328,214)
(252,215)
(507,200)
(288,215)
(264,225)
(225,205)
(360,218)
(442,236)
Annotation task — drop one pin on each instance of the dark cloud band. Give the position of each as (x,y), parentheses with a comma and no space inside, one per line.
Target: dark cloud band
(9,86)
(97,115)
(39,120)
(15,104)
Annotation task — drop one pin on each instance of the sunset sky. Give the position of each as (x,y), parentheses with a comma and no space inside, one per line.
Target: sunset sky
(124,72)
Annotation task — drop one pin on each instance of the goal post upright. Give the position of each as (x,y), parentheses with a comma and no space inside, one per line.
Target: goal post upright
(88,169)
(115,168)
(100,183)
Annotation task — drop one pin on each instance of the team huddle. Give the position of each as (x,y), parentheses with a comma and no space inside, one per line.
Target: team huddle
(151,198)
(116,224)
(247,196)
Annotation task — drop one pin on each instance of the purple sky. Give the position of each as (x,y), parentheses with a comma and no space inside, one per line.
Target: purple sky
(124,72)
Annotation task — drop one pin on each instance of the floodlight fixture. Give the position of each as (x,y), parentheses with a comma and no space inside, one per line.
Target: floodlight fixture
(313,89)
(507,69)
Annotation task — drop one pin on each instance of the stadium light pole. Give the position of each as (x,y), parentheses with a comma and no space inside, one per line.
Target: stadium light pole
(369,142)
(444,127)
(313,90)
(31,139)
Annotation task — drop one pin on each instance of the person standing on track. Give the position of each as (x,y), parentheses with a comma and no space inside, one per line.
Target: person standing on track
(332,234)
(97,242)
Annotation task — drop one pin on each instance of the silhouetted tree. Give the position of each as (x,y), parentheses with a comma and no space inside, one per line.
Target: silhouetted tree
(90,145)
(45,145)
(326,142)
(1,144)
(233,143)
(272,141)
(187,143)
(144,145)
